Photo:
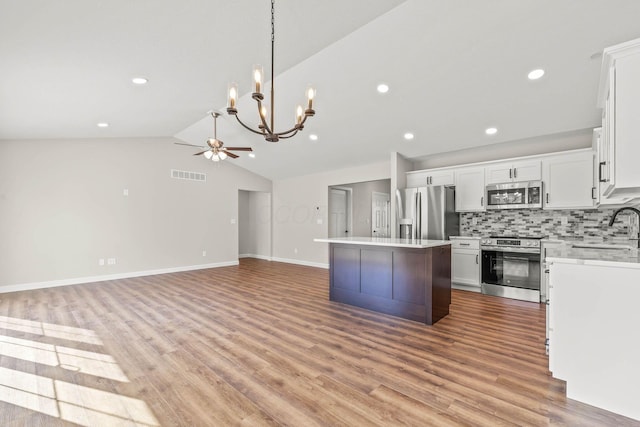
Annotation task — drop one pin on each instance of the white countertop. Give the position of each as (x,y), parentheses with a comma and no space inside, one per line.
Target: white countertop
(465,237)
(568,254)
(385,241)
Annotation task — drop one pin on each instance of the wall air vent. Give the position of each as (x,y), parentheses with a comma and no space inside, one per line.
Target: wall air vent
(190,176)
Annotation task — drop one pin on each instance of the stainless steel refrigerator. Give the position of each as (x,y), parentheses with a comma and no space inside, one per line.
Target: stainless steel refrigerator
(426,213)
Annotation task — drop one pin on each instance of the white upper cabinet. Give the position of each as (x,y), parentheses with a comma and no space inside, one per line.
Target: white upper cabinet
(416,179)
(513,172)
(442,177)
(425,178)
(619,98)
(568,181)
(601,182)
(470,189)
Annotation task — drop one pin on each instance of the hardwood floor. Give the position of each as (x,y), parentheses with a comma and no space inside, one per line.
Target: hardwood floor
(261,344)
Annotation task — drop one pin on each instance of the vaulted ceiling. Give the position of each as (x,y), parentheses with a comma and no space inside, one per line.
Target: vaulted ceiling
(454,68)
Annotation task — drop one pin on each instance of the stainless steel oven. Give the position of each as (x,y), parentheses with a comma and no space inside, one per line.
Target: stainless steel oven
(511,267)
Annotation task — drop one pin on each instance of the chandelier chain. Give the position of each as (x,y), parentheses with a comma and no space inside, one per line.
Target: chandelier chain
(273,76)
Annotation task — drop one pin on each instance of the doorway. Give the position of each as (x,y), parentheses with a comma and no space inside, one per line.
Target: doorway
(380,213)
(254,224)
(340,211)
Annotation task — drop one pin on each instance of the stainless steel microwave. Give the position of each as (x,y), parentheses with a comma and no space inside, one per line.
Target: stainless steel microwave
(514,195)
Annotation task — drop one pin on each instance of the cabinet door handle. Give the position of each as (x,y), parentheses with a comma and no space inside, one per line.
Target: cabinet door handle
(510,173)
(515,172)
(476,258)
(547,197)
(593,193)
(600,174)
(482,201)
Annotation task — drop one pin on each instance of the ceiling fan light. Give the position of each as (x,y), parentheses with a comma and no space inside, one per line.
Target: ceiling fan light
(208,154)
(222,155)
(215,158)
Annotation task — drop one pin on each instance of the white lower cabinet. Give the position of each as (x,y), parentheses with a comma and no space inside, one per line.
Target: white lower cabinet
(593,343)
(465,263)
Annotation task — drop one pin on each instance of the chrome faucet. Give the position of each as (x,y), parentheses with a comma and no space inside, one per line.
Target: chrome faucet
(615,214)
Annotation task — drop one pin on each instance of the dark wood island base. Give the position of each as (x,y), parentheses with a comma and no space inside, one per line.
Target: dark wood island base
(408,282)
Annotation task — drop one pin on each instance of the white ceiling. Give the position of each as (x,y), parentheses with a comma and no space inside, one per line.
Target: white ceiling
(454,67)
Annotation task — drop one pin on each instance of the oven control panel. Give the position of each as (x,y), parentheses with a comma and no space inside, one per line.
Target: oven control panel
(527,243)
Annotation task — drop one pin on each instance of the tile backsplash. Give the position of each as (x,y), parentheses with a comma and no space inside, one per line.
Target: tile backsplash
(555,224)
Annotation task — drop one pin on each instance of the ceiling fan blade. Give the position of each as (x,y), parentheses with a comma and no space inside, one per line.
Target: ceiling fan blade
(233,156)
(189,145)
(202,152)
(239,148)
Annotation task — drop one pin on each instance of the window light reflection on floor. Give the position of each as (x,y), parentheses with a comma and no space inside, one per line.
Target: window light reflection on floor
(82,405)
(50,330)
(86,362)
(71,402)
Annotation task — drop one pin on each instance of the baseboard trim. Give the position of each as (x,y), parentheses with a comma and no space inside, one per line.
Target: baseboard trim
(300,262)
(92,279)
(264,257)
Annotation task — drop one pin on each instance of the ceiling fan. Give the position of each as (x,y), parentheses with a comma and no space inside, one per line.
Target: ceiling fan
(216,150)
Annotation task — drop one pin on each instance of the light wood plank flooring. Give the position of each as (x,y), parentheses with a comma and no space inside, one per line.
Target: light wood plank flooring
(260,344)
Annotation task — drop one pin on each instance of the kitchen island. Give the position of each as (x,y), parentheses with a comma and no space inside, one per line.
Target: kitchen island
(402,277)
(593,324)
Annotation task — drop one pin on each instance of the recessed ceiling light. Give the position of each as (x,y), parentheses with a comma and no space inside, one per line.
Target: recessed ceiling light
(536,74)
(313,137)
(408,136)
(383,88)
(139,80)
(252,155)
(491,131)
(103,125)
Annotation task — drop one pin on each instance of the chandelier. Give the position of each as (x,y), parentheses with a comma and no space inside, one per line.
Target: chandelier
(266,125)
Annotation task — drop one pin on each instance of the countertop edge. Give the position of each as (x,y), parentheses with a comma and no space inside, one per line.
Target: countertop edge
(592,262)
(391,243)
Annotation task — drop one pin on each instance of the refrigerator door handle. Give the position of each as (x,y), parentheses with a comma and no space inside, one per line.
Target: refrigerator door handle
(417,234)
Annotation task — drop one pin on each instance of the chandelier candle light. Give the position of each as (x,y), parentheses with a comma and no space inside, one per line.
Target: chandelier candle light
(266,126)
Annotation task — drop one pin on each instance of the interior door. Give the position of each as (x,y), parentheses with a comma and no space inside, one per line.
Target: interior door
(338,213)
(380,210)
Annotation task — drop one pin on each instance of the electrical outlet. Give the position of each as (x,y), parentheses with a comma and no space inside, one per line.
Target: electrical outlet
(101,261)
(204,253)
(111,261)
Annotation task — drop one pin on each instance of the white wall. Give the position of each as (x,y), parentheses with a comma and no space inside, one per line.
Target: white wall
(300,203)
(526,147)
(62,208)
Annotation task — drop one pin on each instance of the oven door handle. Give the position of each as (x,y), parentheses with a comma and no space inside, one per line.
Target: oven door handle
(510,258)
(533,251)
